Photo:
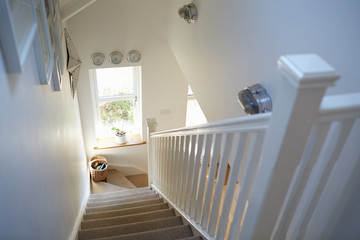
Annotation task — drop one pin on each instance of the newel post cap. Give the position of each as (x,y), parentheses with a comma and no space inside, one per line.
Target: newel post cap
(307,70)
(151,124)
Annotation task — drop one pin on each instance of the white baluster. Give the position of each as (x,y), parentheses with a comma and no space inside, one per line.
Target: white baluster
(238,156)
(202,180)
(180,170)
(252,162)
(226,149)
(311,154)
(157,144)
(175,169)
(195,175)
(329,156)
(215,150)
(168,167)
(184,171)
(172,168)
(162,165)
(160,160)
(190,170)
(154,160)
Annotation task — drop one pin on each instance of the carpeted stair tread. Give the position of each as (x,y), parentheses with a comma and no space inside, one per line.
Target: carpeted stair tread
(117,178)
(126,211)
(129,228)
(177,232)
(123,200)
(136,203)
(120,192)
(119,197)
(127,219)
(101,187)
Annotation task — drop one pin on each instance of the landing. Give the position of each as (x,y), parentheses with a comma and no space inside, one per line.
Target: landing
(116,181)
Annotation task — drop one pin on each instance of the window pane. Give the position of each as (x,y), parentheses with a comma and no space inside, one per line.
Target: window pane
(118,114)
(194,114)
(115,81)
(190,91)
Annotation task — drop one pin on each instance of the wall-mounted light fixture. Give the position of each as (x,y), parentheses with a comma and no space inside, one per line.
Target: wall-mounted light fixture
(255,99)
(189,13)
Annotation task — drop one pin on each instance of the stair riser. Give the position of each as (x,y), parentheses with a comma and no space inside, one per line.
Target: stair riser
(124,212)
(127,219)
(178,232)
(120,196)
(125,200)
(124,205)
(130,228)
(109,194)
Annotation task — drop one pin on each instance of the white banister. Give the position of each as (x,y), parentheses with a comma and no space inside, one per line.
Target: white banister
(305,78)
(188,162)
(264,176)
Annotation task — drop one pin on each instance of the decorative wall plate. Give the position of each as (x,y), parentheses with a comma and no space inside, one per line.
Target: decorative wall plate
(134,56)
(98,59)
(115,57)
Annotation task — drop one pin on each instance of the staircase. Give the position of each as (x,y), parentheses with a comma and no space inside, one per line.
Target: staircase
(132,214)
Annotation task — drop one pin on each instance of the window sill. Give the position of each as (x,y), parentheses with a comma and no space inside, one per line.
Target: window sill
(107,143)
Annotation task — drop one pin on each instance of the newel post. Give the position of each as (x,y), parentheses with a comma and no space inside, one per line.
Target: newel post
(299,94)
(151,127)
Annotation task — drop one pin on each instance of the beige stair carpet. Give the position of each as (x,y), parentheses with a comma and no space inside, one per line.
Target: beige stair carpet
(115,182)
(139,181)
(132,215)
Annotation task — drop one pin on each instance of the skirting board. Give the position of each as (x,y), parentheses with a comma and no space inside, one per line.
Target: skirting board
(74,232)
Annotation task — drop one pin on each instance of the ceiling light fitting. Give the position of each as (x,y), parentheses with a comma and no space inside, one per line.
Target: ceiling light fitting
(189,13)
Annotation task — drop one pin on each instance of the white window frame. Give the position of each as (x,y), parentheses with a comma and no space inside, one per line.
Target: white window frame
(96,100)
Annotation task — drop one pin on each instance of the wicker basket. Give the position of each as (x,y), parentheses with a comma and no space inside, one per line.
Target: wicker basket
(98,175)
(98,157)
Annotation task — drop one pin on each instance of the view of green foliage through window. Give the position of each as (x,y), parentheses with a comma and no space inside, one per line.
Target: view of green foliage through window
(117,111)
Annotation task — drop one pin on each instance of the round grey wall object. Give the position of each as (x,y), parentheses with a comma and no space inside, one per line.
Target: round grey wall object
(98,59)
(116,57)
(134,56)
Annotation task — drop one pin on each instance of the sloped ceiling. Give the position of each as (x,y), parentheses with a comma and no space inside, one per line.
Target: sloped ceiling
(71,7)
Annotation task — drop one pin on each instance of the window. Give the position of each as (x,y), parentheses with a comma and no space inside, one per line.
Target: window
(117,103)
(194,113)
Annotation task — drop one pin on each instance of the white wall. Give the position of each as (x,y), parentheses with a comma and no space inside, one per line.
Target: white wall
(237,43)
(43,173)
(123,25)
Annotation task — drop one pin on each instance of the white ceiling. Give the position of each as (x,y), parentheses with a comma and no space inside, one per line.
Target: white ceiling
(71,7)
